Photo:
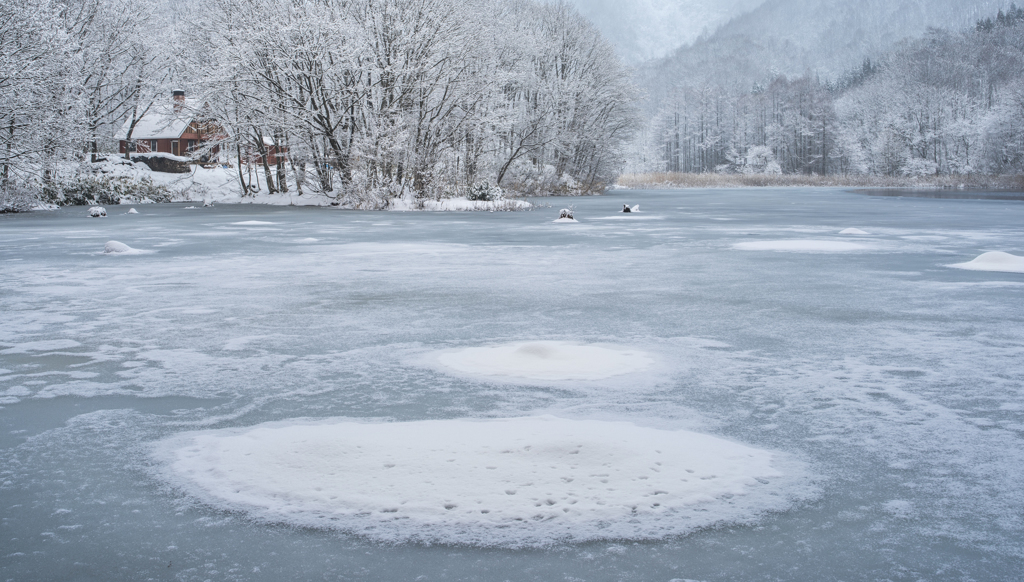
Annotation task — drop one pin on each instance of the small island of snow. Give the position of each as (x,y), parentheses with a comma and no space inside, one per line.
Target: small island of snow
(517,482)
(996,261)
(118,248)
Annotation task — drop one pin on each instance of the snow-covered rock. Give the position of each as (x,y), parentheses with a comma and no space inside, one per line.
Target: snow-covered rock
(996,261)
(627,209)
(97,211)
(132,211)
(514,482)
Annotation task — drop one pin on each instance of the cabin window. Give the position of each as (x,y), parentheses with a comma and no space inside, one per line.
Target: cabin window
(153,146)
(191,145)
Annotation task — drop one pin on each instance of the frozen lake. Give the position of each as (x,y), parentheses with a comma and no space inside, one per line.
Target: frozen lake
(891,384)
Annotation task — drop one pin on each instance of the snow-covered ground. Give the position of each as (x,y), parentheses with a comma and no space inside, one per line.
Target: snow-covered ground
(220,185)
(226,405)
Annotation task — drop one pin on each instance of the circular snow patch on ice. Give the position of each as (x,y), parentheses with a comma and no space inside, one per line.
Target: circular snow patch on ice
(800,246)
(511,482)
(853,231)
(546,360)
(994,261)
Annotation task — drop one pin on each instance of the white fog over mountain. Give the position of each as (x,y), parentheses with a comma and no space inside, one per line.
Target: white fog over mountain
(649,29)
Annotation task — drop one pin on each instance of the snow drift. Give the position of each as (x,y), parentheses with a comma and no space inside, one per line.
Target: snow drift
(119,248)
(994,261)
(512,482)
(546,360)
(853,231)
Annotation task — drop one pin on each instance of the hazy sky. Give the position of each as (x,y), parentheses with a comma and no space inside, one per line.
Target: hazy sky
(644,29)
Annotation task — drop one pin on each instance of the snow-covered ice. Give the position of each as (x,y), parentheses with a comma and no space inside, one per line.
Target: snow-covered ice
(800,246)
(253,223)
(546,360)
(510,482)
(852,231)
(996,261)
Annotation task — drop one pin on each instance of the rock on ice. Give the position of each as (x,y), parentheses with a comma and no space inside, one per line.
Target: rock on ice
(994,261)
(546,360)
(510,482)
(800,246)
(97,211)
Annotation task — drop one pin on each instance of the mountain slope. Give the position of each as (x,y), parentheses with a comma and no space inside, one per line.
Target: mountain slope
(646,29)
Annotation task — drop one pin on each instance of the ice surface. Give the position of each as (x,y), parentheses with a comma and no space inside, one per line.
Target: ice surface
(856,231)
(800,246)
(511,482)
(253,223)
(997,261)
(895,379)
(547,360)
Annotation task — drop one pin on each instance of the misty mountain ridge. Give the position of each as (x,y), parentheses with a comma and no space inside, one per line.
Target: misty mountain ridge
(793,37)
(644,30)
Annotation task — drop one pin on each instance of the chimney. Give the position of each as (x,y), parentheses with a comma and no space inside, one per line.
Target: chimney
(179,100)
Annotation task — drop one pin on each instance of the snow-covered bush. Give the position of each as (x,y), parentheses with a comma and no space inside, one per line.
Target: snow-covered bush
(87,190)
(16,198)
(485,191)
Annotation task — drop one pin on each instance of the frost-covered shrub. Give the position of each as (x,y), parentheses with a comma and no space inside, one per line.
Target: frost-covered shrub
(87,190)
(485,191)
(16,198)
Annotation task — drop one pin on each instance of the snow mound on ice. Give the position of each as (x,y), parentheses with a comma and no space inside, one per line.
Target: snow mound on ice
(573,220)
(800,246)
(853,231)
(994,261)
(119,248)
(511,482)
(132,211)
(97,211)
(546,360)
(253,223)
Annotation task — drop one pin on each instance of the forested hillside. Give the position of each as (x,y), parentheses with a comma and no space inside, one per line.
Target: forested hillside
(947,103)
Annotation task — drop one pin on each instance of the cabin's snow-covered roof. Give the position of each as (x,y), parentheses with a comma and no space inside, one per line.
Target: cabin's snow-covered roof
(161,122)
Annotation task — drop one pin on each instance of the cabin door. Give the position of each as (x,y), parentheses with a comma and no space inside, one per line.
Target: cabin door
(174,148)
